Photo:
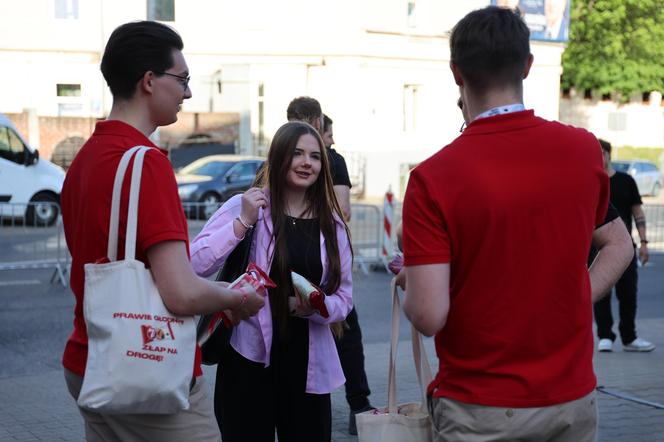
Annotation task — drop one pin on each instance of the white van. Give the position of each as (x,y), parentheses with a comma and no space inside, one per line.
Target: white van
(24,178)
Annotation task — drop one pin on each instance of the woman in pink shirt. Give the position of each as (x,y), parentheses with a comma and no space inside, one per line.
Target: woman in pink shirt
(283,363)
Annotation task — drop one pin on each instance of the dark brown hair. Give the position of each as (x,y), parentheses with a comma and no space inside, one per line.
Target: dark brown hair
(490,47)
(304,109)
(321,203)
(132,50)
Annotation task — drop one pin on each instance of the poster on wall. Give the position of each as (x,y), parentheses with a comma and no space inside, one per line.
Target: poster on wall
(548,20)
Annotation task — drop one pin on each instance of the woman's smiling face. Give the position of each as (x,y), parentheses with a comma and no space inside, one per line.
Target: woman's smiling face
(306,163)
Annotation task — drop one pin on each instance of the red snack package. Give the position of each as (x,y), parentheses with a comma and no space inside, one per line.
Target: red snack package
(311,293)
(254,277)
(396,264)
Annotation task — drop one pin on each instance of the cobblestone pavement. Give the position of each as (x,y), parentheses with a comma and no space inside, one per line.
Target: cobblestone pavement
(35,320)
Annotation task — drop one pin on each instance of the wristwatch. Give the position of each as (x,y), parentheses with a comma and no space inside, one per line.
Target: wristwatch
(644,241)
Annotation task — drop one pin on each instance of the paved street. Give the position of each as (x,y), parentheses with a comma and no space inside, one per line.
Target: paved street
(35,321)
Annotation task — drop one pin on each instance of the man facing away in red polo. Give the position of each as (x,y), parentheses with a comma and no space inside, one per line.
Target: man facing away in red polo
(497,228)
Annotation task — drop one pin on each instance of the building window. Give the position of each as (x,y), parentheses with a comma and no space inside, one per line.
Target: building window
(410,105)
(412,17)
(161,10)
(68,90)
(66,9)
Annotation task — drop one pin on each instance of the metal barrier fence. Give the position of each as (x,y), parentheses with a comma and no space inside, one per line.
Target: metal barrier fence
(654,227)
(27,244)
(365,227)
(32,238)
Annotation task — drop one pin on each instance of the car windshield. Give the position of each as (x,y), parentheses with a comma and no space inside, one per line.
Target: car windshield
(620,166)
(206,167)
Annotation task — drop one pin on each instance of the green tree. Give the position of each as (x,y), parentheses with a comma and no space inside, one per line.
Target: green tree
(615,46)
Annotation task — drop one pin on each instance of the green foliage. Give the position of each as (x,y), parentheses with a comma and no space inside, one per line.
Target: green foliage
(639,153)
(615,46)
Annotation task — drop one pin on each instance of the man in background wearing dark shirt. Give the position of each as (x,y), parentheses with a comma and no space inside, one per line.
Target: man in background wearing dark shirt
(625,197)
(341,180)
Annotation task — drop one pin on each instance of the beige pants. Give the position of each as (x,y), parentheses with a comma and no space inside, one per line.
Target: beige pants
(195,424)
(574,421)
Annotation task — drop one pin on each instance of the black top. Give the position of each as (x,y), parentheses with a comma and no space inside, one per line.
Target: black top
(624,195)
(338,168)
(303,242)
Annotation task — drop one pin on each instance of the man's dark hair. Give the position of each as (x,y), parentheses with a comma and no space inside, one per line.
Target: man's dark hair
(606,146)
(490,47)
(304,109)
(327,120)
(132,50)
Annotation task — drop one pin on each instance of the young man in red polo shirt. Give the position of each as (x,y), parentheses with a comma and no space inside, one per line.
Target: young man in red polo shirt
(497,228)
(148,77)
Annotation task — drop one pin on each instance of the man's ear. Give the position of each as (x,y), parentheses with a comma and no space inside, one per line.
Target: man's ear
(146,82)
(316,124)
(529,64)
(457,75)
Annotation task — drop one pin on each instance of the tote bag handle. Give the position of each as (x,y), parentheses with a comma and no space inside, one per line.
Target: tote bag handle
(132,212)
(422,367)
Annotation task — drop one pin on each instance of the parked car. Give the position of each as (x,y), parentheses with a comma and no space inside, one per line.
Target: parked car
(197,146)
(214,179)
(646,174)
(24,178)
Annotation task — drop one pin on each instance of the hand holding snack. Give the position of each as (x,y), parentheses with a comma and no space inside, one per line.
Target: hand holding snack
(396,264)
(251,286)
(309,294)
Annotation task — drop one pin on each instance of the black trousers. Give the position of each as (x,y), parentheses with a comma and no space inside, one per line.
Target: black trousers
(251,401)
(626,294)
(351,354)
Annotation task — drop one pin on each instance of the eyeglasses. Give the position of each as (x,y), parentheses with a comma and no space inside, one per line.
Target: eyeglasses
(184,80)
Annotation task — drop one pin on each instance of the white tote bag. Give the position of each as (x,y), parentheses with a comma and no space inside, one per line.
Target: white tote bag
(404,422)
(140,355)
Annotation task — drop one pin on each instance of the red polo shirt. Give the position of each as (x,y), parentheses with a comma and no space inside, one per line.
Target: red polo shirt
(86,206)
(511,204)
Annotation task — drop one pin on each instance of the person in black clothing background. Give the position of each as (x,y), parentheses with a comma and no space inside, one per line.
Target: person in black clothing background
(626,199)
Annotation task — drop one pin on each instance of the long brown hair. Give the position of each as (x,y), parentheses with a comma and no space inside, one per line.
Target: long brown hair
(321,202)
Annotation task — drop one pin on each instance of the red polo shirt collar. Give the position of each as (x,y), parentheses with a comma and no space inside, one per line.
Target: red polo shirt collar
(122,129)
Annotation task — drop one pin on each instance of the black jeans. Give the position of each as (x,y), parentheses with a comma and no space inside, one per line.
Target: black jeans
(351,354)
(250,401)
(626,294)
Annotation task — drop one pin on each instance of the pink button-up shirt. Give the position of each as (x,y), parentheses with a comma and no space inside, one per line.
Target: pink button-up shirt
(252,338)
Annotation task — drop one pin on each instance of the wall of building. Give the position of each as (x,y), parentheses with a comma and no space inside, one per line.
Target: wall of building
(637,123)
(379,69)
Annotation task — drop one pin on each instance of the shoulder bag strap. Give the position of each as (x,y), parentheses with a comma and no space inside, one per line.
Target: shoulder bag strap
(114,222)
(422,367)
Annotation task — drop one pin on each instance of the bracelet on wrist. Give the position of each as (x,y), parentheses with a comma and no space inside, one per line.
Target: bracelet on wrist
(246,225)
(644,241)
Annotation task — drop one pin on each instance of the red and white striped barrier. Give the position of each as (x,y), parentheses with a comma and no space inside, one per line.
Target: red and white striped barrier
(387,246)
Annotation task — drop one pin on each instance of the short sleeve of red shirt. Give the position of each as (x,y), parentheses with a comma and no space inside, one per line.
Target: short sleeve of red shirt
(160,211)
(425,236)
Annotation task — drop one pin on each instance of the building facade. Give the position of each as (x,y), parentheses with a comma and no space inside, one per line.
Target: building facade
(378,67)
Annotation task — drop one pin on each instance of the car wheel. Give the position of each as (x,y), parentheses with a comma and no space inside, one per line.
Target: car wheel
(656,189)
(210,205)
(43,210)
